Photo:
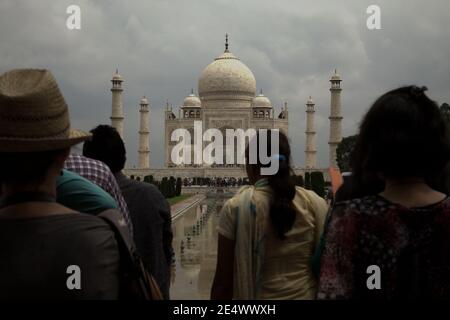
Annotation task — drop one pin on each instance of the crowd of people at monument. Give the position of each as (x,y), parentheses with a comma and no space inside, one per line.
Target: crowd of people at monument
(73,226)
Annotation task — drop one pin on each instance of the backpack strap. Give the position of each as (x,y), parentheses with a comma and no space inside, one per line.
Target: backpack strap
(145,283)
(119,226)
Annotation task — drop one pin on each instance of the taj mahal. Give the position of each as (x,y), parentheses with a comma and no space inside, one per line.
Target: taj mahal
(227,99)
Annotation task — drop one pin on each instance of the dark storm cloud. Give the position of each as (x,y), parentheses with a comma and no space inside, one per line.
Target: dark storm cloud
(161,47)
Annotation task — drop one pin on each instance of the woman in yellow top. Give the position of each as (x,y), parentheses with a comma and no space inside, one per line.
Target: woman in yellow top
(267,235)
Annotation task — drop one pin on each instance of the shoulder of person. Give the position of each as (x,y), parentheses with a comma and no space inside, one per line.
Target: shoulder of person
(446,202)
(237,198)
(73,179)
(367,201)
(149,189)
(445,208)
(151,195)
(86,221)
(309,195)
(86,230)
(360,206)
(141,185)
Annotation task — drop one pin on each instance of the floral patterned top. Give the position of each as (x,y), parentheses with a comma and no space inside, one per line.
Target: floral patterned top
(410,246)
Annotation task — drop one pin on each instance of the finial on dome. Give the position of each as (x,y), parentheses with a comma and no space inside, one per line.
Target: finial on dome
(260,91)
(192,91)
(226,42)
(144,101)
(117,77)
(335,77)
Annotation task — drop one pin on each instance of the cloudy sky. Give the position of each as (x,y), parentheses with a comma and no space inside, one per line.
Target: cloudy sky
(292,47)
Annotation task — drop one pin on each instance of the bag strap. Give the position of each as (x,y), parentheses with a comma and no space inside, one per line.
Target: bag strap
(119,225)
(123,237)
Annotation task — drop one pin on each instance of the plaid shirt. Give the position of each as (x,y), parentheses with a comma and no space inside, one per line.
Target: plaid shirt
(100,174)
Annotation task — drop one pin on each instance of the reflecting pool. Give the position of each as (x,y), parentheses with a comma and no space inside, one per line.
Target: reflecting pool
(195,245)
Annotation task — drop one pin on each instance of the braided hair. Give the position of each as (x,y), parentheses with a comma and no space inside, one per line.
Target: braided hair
(282,211)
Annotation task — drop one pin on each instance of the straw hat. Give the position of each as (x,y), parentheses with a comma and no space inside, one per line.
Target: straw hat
(33,114)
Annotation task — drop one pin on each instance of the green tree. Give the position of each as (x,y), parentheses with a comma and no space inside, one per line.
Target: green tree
(149,179)
(307,180)
(298,180)
(164,187)
(172,187)
(445,111)
(179,186)
(343,152)
(318,183)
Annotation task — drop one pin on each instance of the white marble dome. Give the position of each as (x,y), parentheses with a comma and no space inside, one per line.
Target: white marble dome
(227,78)
(261,101)
(192,101)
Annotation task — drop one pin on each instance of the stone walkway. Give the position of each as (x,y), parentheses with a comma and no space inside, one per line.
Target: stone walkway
(179,208)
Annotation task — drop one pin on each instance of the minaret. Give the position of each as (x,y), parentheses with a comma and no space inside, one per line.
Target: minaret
(117,105)
(144,159)
(286,112)
(310,151)
(335,117)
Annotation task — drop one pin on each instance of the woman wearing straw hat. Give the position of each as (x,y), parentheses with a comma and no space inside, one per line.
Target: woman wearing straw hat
(46,250)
